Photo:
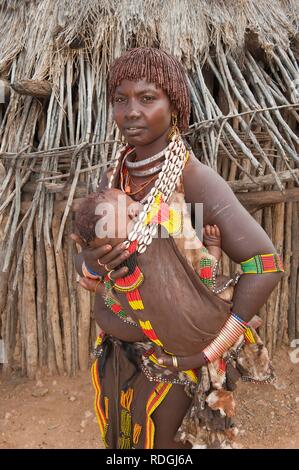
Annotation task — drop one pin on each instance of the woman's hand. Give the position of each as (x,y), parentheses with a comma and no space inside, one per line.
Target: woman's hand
(183,362)
(92,285)
(103,259)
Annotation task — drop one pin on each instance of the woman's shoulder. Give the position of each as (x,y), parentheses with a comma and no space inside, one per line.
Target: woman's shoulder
(200,180)
(196,168)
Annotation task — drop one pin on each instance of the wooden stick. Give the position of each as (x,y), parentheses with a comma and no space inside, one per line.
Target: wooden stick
(64,303)
(284,300)
(29,309)
(41,298)
(278,241)
(84,311)
(72,294)
(244,184)
(257,200)
(53,306)
(294,274)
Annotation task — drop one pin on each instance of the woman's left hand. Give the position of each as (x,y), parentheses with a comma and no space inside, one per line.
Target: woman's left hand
(178,363)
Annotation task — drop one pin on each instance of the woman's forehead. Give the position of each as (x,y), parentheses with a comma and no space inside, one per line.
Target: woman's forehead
(138,85)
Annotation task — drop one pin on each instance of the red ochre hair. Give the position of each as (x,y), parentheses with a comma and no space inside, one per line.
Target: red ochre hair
(157,67)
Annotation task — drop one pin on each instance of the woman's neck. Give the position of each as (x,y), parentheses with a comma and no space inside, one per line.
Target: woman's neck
(146,151)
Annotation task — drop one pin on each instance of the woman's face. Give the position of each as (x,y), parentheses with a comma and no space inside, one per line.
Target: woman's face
(142,112)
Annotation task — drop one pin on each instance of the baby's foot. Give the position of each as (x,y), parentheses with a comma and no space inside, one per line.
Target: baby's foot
(212,240)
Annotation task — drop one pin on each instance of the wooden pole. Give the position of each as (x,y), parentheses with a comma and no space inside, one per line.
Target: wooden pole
(29,309)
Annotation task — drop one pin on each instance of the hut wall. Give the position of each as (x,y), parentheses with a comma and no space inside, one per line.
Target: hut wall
(57,137)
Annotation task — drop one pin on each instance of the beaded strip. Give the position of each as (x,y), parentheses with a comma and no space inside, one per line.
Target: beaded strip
(116,308)
(150,332)
(260,264)
(152,378)
(129,284)
(232,281)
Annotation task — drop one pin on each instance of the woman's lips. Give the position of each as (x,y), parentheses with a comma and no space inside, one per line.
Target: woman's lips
(134,130)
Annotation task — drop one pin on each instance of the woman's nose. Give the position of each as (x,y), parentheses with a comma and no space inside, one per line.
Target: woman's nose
(132,111)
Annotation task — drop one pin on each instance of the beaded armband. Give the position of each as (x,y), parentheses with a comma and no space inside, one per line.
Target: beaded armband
(260,264)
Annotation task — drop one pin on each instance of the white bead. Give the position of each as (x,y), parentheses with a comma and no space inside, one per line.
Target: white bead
(140,239)
(158,184)
(132,236)
(150,199)
(148,240)
(154,192)
(127,243)
(142,216)
(167,154)
(153,230)
(145,230)
(138,226)
(164,188)
(146,207)
(141,248)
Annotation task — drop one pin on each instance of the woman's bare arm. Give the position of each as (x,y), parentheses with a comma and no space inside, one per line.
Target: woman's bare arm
(242,237)
(112,325)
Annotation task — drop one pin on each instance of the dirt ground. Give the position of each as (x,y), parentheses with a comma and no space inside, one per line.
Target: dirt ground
(57,412)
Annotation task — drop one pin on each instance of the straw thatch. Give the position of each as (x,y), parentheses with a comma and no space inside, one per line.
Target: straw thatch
(57,135)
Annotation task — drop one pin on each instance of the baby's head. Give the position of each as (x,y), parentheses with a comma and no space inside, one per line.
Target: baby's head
(106,217)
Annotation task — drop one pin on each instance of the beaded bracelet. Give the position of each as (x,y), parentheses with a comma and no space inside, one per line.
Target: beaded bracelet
(230,332)
(87,272)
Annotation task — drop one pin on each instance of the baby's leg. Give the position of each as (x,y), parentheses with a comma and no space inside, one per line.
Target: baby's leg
(212,240)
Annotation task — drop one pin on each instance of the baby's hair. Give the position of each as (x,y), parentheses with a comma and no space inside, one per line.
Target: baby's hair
(155,66)
(86,217)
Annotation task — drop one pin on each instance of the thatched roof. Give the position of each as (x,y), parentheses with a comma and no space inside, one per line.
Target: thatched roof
(186,28)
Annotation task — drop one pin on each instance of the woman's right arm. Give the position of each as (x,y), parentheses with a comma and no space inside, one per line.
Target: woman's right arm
(114,326)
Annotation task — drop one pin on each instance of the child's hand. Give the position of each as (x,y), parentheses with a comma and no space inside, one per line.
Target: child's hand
(211,235)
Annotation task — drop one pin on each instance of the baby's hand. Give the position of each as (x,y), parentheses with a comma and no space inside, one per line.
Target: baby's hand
(211,235)
(212,240)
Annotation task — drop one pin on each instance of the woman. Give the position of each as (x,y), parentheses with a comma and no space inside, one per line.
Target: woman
(141,405)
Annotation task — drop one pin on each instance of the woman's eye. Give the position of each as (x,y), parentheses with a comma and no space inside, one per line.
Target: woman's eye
(148,98)
(118,99)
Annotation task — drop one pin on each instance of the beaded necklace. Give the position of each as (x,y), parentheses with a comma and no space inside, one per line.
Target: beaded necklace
(146,225)
(175,155)
(126,181)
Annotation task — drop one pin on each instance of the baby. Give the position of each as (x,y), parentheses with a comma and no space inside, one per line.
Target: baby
(108,216)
